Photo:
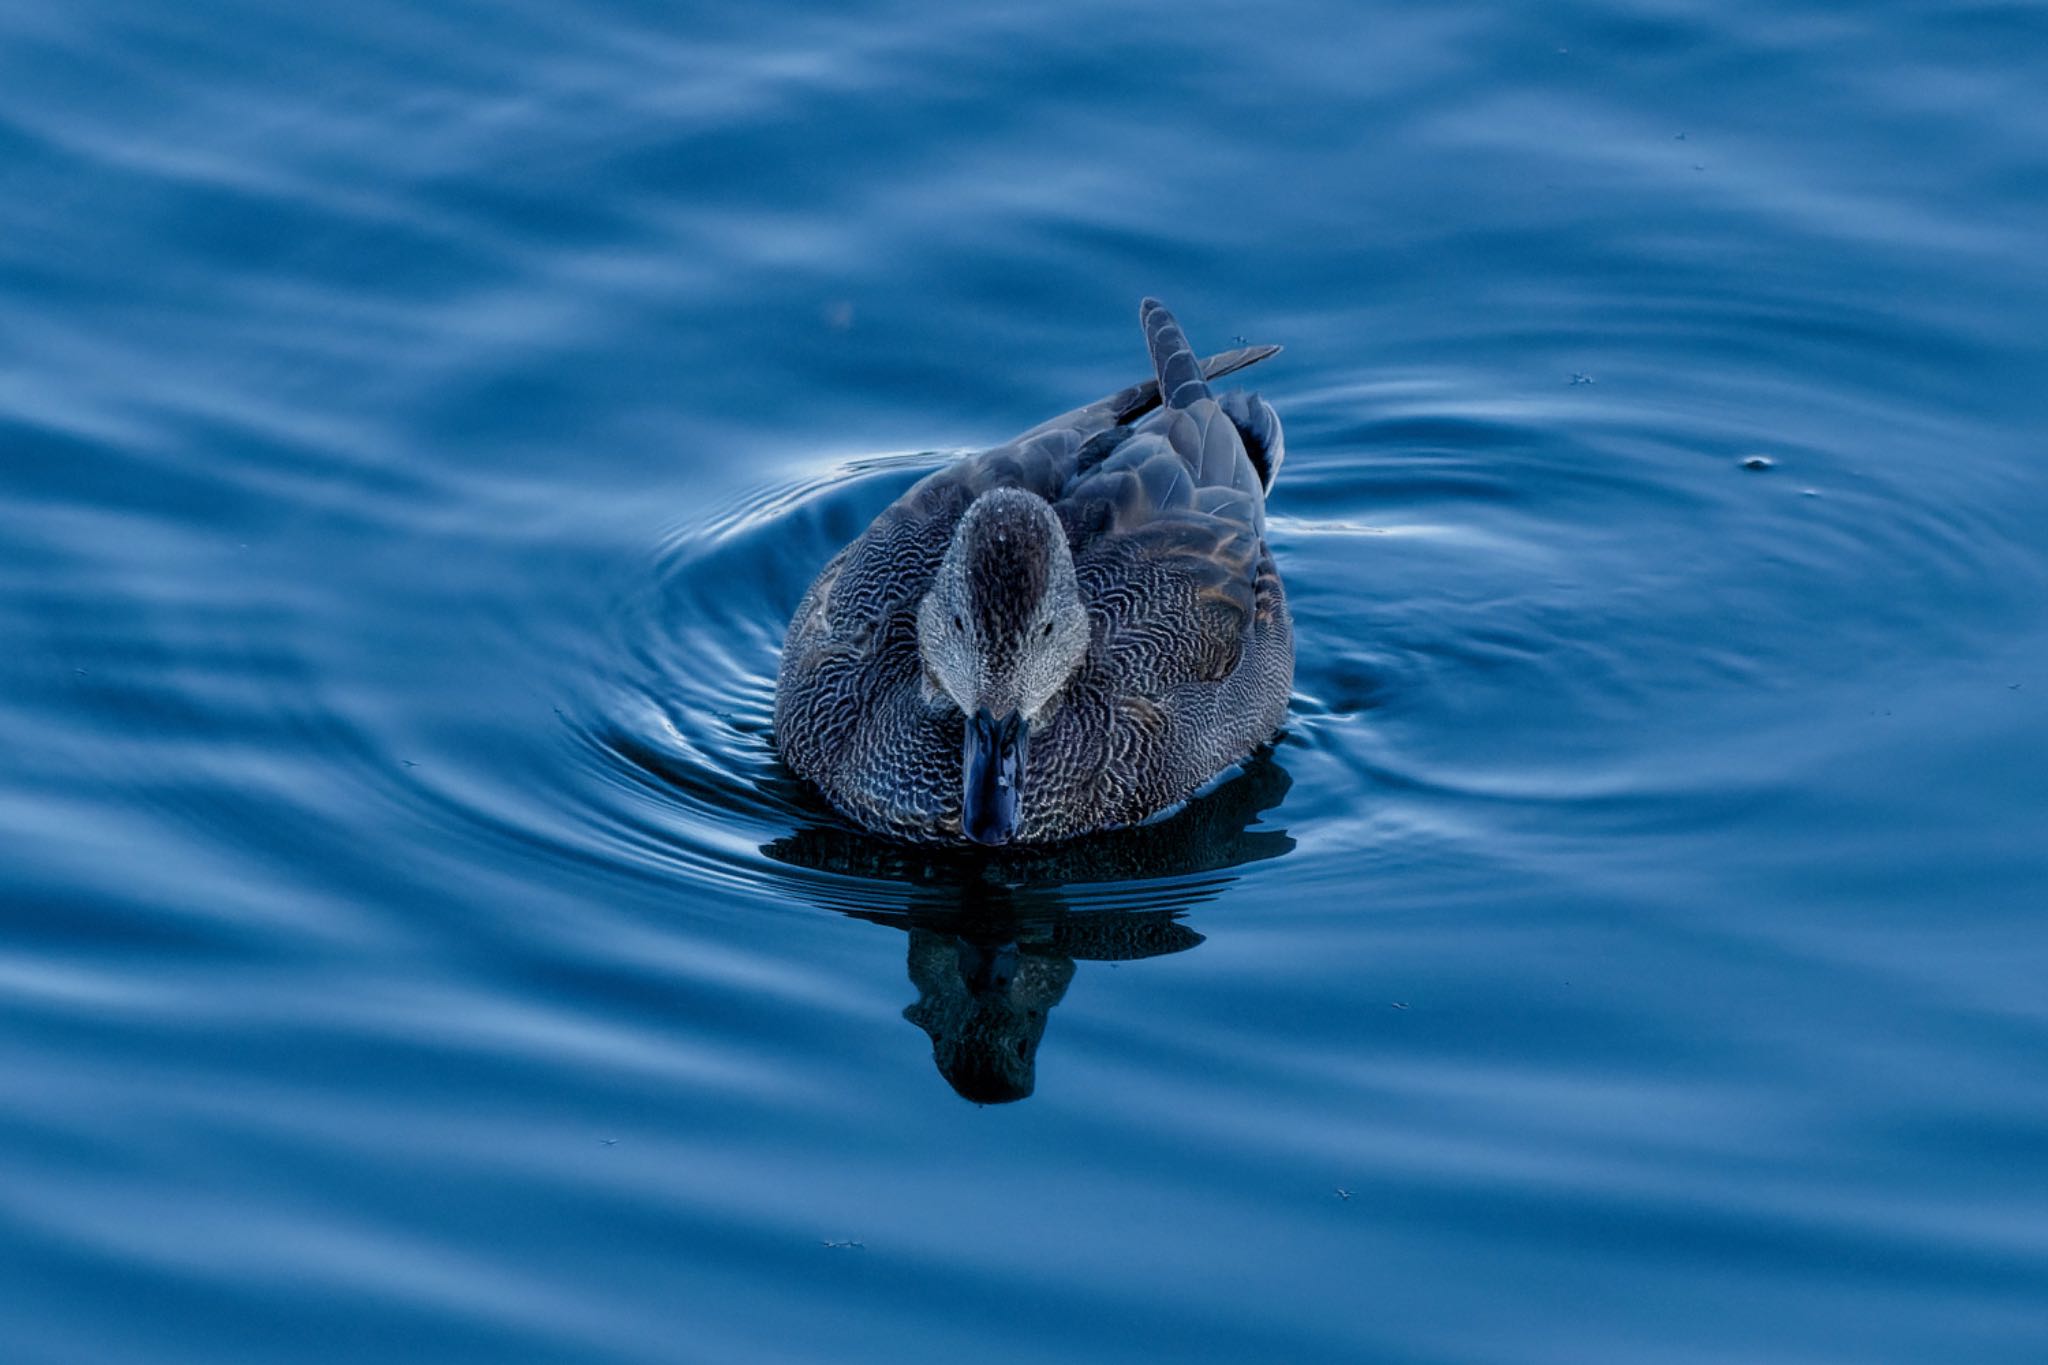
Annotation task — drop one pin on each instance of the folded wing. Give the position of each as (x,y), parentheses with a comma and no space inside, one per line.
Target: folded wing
(1173,518)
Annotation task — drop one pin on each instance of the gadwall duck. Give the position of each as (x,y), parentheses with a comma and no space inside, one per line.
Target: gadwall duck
(1071,632)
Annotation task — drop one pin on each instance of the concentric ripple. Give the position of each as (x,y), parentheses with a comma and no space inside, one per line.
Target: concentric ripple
(1453,574)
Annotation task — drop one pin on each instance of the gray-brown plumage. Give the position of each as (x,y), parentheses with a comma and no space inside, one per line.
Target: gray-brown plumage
(1070,632)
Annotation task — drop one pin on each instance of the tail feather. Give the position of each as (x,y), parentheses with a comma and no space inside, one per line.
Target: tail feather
(1143,397)
(1173,360)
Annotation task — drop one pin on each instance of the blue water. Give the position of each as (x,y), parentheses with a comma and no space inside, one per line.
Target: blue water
(417,421)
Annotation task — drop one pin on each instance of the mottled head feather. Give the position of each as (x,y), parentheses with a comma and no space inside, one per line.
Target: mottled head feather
(1008,548)
(1002,627)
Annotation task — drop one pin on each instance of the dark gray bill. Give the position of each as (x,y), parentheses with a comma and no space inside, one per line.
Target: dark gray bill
(992,773)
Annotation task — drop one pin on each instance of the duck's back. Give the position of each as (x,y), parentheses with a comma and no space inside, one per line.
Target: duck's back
(1193,655)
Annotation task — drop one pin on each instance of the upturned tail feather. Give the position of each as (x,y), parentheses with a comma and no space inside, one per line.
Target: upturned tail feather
(1173,361)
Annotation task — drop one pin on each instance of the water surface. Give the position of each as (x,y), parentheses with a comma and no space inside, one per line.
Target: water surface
(418,421)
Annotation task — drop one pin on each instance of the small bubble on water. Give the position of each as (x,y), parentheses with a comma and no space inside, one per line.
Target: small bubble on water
(1758,462)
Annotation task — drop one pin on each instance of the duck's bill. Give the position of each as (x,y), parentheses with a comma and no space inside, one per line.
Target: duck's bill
(992,776)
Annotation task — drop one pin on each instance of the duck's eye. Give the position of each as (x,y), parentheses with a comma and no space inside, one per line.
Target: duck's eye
(959,624)
(1046,631)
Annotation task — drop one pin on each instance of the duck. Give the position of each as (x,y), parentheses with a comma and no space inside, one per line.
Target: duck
(1074,631)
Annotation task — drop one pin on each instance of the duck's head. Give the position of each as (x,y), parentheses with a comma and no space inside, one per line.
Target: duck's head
(1001,632)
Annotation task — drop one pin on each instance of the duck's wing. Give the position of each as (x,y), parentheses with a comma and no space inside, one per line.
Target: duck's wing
(1170,525)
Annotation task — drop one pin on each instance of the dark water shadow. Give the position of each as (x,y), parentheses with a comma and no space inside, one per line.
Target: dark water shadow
(994,935)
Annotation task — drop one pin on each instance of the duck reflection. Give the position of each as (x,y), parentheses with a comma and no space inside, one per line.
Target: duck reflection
(995,934)
(989,973)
